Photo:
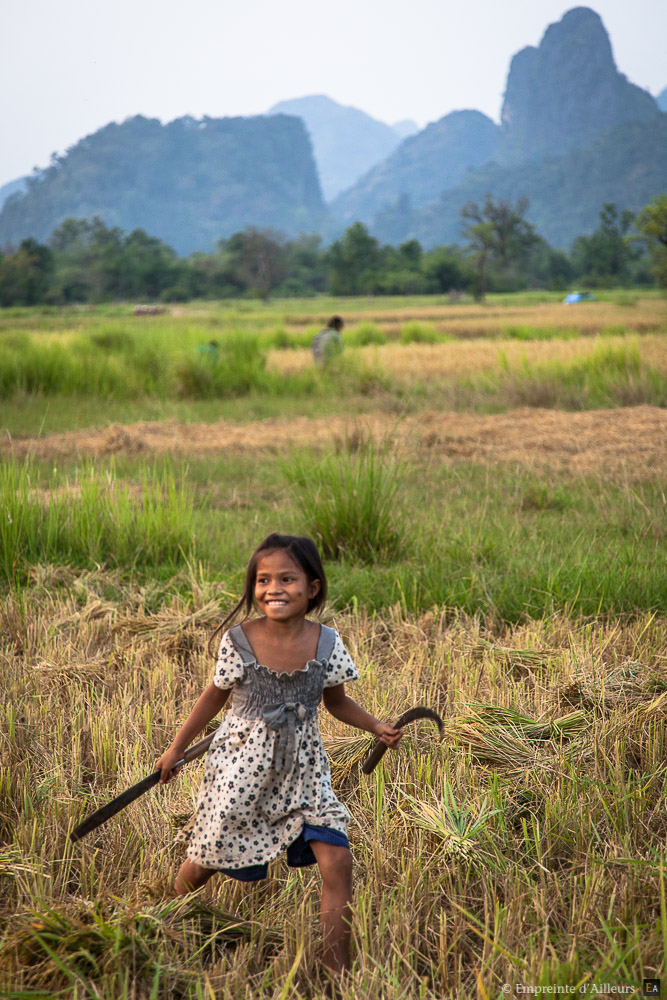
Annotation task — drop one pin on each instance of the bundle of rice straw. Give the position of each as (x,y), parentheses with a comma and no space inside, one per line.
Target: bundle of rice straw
(505,738)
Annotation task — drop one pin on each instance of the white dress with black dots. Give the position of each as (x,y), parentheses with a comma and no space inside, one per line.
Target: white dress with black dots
(267,774)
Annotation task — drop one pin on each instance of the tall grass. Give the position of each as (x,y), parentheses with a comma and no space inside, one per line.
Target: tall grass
(610,376)
(113,364)
(350,501)
(91,518)
(234,368)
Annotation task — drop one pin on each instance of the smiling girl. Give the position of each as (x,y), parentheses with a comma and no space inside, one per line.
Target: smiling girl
(267,782)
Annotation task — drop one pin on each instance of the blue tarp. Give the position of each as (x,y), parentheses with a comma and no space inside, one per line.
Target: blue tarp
(577,297)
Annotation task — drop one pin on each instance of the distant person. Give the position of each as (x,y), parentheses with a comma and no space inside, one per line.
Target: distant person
(209,352)
(328,343)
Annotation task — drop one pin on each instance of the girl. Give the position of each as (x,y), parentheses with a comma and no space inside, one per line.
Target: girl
(267,784)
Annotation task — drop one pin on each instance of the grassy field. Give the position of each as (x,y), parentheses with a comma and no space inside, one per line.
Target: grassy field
(488,483)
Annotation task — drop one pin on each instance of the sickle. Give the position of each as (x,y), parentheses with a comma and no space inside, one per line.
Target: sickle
(378,749)
(129,795)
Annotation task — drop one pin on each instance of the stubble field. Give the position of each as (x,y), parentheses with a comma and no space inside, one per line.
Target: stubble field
(489,483)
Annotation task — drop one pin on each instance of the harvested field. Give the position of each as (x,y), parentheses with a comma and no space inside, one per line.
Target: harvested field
(535,825)
(493,320)
(628,442)
(428,362)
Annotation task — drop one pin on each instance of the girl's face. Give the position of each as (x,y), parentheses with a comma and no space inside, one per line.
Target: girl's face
(282,589)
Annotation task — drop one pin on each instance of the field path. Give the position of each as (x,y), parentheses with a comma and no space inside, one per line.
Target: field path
(628,441)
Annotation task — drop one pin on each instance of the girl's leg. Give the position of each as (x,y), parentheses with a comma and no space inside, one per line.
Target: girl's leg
(336,869)
(191,877)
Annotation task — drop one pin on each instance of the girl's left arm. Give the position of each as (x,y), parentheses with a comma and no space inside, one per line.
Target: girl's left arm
(345,709)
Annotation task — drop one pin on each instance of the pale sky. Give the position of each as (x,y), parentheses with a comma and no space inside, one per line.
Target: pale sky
(68,67)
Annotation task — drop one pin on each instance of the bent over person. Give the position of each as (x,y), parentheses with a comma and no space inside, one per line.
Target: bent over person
(328,343)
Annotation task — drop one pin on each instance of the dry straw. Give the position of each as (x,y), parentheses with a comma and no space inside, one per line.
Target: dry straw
(527,843)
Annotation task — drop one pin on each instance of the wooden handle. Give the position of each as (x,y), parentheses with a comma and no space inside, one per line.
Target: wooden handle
(379,749)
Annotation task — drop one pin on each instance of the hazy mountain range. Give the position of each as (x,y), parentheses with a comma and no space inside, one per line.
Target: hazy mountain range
(574,134)
(367,141)
(189,183)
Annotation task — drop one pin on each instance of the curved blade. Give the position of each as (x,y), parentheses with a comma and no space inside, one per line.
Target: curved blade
(379,749)
(134,792)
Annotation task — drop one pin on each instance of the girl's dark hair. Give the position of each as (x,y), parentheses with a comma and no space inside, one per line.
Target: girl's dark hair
(336,323)
(304,553)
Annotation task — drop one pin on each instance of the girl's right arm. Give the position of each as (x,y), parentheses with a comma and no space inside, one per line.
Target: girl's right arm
(206,708)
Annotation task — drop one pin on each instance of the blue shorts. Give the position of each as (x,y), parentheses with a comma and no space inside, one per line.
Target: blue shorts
(299,853)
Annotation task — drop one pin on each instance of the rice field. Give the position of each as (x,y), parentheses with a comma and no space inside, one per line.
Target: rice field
(526,848)
(488,483)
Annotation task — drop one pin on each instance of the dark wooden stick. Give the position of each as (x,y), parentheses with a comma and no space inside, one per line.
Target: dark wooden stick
(111,808)
(379,749)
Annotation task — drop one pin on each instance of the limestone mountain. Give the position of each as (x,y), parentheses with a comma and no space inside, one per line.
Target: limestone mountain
(189,183)
(422,167)
(574,135)
(628,167)
(567,92)
(12,187)
(346,142)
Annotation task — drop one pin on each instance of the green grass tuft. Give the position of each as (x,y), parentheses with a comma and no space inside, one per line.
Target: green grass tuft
(350,501)
(420,333)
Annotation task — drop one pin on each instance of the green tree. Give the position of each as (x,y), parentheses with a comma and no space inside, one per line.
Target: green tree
(89,261)
(257,260)
(96,263)
(499,242)
(306,266)
(209,275)
(355,262)
(603,259)
(400,271)
(651,226)
(25,276)
(149,266)
(446,270)
(548,268)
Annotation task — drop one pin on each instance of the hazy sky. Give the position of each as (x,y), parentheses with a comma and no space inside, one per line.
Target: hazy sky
(70,66)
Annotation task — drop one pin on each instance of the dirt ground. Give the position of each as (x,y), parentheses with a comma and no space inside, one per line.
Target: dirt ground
(629,442)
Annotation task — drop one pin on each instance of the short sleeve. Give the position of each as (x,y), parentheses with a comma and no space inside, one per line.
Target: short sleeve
(340,668)
(228,666)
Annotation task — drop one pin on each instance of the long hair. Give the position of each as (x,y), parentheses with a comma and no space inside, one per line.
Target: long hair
(304,553)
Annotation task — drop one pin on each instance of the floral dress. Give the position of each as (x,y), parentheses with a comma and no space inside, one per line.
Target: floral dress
(267,776)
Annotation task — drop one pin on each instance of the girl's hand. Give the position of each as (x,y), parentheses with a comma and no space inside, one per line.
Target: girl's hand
(166,764)
(388,735)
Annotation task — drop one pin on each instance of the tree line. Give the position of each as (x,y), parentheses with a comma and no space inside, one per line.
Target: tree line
(86,261)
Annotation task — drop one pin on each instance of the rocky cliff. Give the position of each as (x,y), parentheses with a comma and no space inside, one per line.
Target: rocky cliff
(567,92)
(574,135)
(627,167)
(189,182)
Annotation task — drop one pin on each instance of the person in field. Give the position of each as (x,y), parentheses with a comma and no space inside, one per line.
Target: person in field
(267,782)
(328,343)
